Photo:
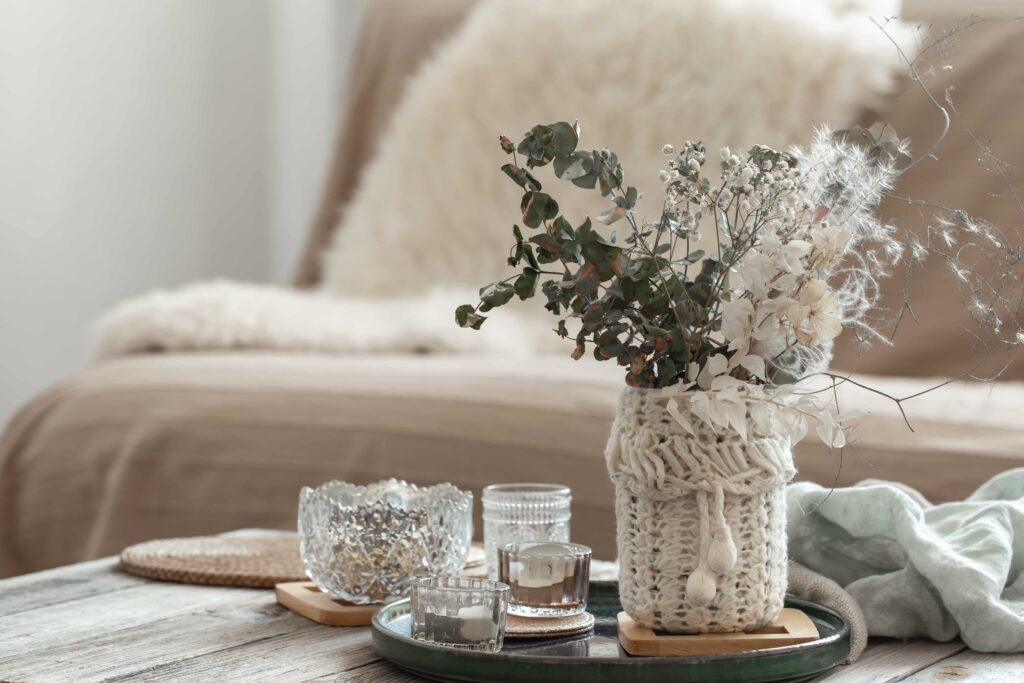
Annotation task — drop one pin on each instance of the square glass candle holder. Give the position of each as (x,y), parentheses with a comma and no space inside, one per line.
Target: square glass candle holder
(519,513)
(460,612)
(546,579)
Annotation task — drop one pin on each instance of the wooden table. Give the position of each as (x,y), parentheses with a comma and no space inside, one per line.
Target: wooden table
(91,622)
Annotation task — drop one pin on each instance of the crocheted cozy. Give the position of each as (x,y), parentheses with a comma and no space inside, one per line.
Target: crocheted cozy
(700,518)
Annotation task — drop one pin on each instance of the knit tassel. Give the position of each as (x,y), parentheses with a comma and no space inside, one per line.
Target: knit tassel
(717,549)
(721,556)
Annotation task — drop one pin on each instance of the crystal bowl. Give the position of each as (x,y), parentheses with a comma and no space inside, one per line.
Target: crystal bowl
(368,544)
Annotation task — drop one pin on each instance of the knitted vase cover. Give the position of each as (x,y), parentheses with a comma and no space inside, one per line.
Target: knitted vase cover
(700,518)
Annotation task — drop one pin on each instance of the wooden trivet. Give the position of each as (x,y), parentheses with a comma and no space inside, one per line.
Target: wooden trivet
(303,597)
(547,627)
(791,628)
(253,561)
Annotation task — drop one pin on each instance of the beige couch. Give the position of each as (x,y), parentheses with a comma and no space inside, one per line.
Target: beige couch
(182,444)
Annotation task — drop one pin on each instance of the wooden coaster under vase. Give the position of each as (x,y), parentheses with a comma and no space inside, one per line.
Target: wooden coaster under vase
(792,627)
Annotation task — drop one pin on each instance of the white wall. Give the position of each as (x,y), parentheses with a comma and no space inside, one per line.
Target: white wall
(313,40)
(149,144)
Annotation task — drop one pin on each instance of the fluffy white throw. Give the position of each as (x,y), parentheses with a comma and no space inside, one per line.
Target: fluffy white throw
(433,210)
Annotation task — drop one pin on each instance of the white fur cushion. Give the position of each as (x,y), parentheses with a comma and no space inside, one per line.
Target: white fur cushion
(434,211)
(433,208)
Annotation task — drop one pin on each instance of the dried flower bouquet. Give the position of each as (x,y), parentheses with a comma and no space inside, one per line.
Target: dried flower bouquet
(798,252)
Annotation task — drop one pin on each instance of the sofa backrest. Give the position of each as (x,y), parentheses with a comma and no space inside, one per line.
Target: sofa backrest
(395,37)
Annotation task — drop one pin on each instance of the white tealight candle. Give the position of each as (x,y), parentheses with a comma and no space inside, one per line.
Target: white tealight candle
(477,622)
(544,565)
(547,579)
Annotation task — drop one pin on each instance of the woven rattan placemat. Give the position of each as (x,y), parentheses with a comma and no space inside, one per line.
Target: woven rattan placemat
(256,561)
(244,559)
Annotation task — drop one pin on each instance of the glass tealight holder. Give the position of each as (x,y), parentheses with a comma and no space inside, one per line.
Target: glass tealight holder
(461,612)
(546,579)
(520,513)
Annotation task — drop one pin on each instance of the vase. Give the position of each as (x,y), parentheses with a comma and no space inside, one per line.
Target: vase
(700,516)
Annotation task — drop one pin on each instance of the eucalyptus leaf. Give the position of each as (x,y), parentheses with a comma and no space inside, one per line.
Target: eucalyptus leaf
(563,139)
(522,177)
(538,207)
(693,257)
(530,258)
(466,316)
(588,280)
(497,294)
(550,248)
(563,228)
(526,284)
(575,165)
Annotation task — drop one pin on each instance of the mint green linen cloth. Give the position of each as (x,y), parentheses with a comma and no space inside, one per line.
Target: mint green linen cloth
(918,569)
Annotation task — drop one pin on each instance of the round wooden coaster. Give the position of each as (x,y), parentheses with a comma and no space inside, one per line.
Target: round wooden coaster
(547,627)
(251,561)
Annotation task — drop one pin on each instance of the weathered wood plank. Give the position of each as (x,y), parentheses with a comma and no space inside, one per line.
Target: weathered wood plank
(125,652)
(63,585)
(37,630)
(381,672)
(973,666)
(319,652)
(92,623)
(888,661)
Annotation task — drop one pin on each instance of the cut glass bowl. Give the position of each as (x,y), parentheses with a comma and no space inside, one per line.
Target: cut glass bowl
(368,544)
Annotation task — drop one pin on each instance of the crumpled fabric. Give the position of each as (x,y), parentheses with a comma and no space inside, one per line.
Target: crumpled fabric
(917,569)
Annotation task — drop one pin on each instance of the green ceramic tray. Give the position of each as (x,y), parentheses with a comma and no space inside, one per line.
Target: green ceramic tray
(596,657)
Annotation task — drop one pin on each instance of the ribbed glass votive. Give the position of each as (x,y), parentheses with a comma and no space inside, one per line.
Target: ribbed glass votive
(518,513)
(546,579)
(459,612)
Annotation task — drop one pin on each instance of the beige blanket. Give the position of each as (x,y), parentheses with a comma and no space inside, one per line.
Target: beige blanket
(192,444)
